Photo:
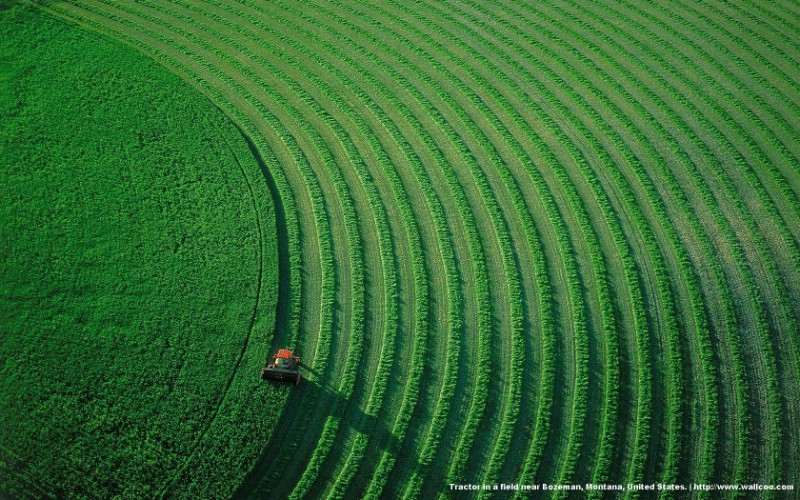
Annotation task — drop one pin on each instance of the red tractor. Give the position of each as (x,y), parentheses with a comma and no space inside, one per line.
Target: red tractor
(285,367)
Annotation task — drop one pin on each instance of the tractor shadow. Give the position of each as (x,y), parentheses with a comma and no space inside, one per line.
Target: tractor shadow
(309,406)
(353,416)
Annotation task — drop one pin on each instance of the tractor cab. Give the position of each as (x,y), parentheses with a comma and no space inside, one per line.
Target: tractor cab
(285,367)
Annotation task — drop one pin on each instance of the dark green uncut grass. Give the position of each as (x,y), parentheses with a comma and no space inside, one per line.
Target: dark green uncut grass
(138,275)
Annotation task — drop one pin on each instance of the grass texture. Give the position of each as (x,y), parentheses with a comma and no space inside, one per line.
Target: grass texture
(139,274)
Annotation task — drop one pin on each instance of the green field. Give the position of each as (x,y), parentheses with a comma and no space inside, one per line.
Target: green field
(139,275)
(550,242)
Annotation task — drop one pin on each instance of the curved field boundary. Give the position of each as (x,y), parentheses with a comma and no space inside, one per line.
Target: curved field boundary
(254,348)
(348,375)
(180,470)
(326,304)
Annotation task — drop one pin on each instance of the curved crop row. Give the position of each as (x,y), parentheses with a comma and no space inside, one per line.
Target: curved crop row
(612,392)
(481,279)
(687,273)
(751,149)
(709,254)
(512,281)
(752,159)
(643,224)
(581,353)
(744,212)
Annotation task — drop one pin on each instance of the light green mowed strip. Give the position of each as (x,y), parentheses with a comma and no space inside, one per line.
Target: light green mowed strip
(140,275)
(547,242)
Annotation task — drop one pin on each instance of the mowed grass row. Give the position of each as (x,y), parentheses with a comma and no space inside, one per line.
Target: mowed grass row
(708,448)
(498,162)
(600,201)
(773,237)
(612,382)
(507,422)
(609,380)
(643,225)
(777,282)
(510,279)
(709,254)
